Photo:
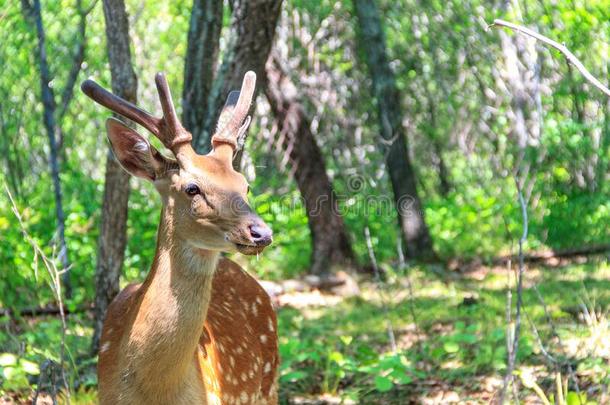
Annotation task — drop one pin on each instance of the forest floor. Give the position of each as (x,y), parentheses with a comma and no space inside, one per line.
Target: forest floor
(451,337)
(450,340)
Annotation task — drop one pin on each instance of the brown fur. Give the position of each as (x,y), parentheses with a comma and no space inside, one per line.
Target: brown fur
(232,360)
(199,330)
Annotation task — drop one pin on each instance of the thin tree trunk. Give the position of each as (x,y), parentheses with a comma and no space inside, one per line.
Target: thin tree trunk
(48,101)
(393,142)
(330,240)
(251,36)
(113,233)
(200,63)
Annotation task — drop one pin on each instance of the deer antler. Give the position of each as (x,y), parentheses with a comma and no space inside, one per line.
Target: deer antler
(168,129)
(234,119)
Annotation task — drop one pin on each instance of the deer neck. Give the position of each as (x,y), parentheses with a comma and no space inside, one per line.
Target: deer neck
(172,309)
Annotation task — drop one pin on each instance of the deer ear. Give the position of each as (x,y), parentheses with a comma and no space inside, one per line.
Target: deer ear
(135,153)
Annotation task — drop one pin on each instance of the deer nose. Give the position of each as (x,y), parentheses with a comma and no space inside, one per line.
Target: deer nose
(261,234)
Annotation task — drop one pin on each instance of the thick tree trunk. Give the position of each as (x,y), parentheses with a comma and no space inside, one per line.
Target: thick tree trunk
(408,205)
(200,63)
(331,243)
(252,31)
(113,233)
(49,107)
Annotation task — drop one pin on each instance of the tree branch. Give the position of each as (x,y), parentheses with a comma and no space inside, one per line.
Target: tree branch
(561,48)
(77,60)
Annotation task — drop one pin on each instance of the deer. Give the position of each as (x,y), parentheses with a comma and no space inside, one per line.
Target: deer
(199,329)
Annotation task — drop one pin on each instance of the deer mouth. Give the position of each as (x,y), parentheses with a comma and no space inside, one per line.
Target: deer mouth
(249,249)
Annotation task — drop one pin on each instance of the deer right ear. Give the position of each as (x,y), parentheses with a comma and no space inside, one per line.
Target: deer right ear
(134,152)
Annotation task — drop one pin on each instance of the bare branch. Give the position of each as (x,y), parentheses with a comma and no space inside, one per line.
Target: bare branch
(561,48)
(386,312)
(514,345)
(77,60)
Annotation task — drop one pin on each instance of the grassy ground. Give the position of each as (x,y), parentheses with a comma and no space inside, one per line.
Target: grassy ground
(450,340)
(455,351)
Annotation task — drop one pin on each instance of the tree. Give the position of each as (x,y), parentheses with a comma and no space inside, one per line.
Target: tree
(200,63)
(330,240)
(113,232)
(52,116)
(393,139)
(251,36)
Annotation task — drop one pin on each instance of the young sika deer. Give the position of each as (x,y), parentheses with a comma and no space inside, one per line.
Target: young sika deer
(199,330)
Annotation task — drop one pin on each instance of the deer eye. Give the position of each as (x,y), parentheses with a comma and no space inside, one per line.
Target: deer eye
(192,189)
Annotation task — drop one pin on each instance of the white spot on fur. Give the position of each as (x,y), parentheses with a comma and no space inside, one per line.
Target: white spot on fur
(271,327)
(105,347)
(267,368)
(244,397)
(213,399)
(263,338)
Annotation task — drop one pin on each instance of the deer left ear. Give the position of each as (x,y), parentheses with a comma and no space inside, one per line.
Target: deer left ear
(135,153)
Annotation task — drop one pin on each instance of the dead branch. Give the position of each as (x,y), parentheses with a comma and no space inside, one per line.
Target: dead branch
(513,346)
(31,312)
(390,328)
(540,257)
(560,47)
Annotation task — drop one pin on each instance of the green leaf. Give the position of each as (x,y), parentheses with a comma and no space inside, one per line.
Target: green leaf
(451,347)
(346,340)
(574,399)
(9,372)
(383,384)
(294,376)
(401,377)
(8,359)
(337,357)
(29,367)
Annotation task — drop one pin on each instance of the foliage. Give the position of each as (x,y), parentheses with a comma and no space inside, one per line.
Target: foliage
(343,349)
(459,115)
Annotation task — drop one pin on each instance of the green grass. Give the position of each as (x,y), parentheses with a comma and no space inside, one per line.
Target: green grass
(457,346)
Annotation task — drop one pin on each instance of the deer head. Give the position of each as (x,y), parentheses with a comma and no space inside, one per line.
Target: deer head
(205,198)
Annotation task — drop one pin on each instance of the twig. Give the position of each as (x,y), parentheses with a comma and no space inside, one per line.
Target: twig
(509,305)
(77,60)
(561,48)
(402,266)
(41,311)
(55,285)
(369,245)
(512,355)
(572,375)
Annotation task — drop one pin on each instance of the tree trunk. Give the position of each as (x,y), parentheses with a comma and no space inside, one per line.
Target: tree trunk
(330,240)
(393,142)
(252,31)
(48,102)
(113,233)
(200,63)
